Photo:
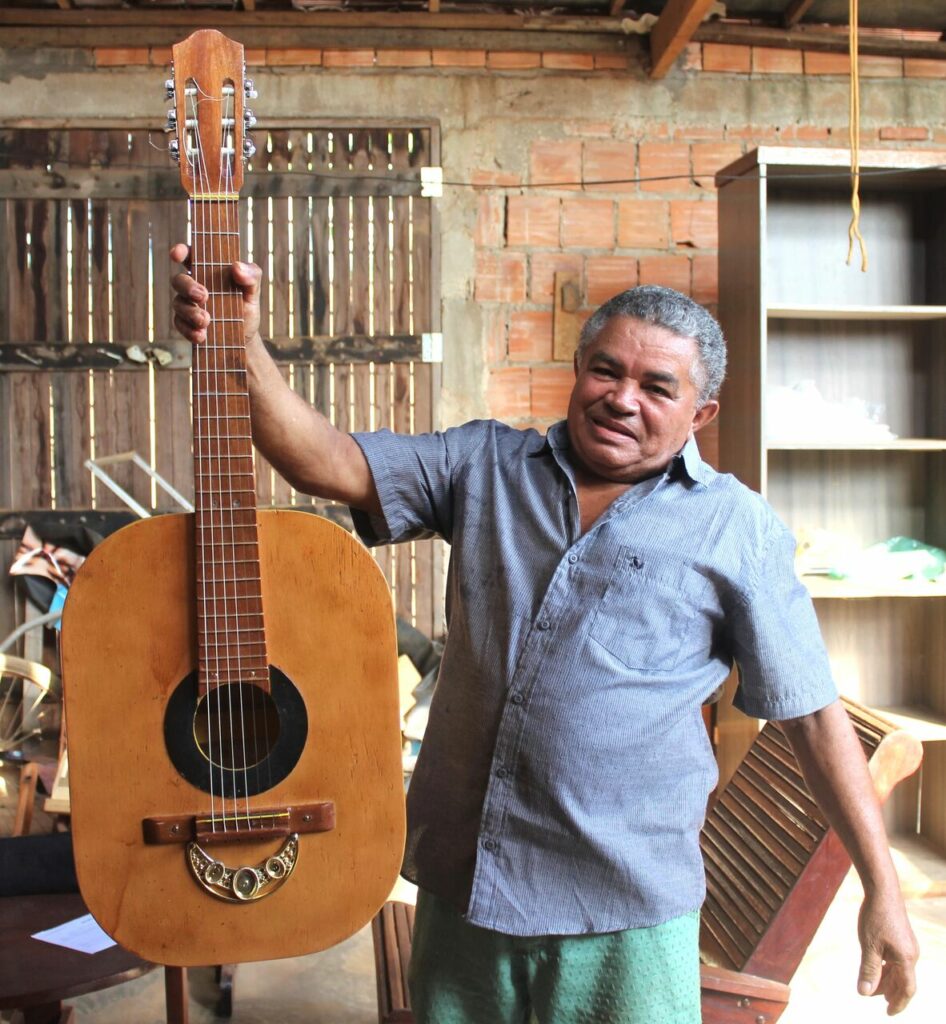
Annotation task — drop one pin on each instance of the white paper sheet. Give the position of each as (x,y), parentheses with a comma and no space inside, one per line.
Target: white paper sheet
(82,934)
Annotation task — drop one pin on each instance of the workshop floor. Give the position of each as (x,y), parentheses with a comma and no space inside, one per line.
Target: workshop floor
(338,986)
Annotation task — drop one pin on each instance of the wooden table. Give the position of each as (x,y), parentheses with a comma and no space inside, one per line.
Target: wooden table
(36,976)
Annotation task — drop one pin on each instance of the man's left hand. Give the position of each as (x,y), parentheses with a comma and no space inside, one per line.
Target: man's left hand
(888,951)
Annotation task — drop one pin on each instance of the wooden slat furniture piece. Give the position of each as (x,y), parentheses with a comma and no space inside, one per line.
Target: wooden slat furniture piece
(773,866)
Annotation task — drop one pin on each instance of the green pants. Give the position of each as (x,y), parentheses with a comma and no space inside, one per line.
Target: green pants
(462,974)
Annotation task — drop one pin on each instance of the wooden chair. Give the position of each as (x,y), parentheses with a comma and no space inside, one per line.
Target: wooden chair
(773,866)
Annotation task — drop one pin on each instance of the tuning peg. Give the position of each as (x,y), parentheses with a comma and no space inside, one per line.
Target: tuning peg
(169,89)
(249,148)
(174,149)
(249,89)
(249,119)
(172,121)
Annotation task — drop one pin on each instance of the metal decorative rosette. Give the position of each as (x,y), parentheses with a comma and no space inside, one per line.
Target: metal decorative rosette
(243,884)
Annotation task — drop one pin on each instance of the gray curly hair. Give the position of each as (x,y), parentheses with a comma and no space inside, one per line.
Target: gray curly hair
(675,312)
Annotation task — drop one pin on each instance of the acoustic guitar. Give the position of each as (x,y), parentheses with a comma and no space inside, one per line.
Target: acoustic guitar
(230,676)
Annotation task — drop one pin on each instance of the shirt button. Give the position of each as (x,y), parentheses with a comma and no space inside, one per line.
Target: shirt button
(491,845)
(544,623)
(517,698)
(573,558)
(501,773)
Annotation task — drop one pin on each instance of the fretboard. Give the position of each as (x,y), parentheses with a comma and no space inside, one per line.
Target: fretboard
(231,637)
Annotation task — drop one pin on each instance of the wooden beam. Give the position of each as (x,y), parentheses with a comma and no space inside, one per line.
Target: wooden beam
(616,7)
(795,11)
(433,6)
(673,30)
(818,40)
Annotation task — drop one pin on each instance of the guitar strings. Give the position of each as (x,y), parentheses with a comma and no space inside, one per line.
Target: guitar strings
(205,525)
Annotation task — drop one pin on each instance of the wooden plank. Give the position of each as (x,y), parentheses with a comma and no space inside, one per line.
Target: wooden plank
(401,216)
(420,244)
(173,455)
(6,441)
(31,455)
(21,314)
(673,31)
(121,424)
(381,261)
(320,235)
(795,11)
(279,241)
(71,417)
(302,318)
(361,260)
(341,241)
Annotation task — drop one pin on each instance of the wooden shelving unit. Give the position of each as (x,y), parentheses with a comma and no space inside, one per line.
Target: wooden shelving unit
(796,316)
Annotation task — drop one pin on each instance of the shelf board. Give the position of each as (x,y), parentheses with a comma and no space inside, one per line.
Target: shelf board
(900,444)
(823,587)
(926,725)
(825,312)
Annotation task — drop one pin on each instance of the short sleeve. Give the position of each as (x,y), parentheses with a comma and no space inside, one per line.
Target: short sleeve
(777,644)
(414,475)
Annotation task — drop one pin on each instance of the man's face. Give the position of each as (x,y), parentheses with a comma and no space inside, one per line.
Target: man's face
(634,403)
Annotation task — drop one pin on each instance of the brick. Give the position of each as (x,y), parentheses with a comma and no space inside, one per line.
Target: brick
(923,67)
(643,224)
(113,57)
(608,275)
(530,336)
(533,220)
(770,61)
(904,133)
(709,157)
(667,161)
(459,58)
(501,179)
(508,392)
(300,57)
(404,59)
(543,267)
(552,163)
(513,60)
(494,332)
(806,133)
(490,220)
(604,129)
(500,277)
(348,58)
(568,61)
(611,62)
(588,222)
(668,270)
(610,164)
(551,389)
(874,66)
(727,57)
(827,63)
(693,223)
(705,275)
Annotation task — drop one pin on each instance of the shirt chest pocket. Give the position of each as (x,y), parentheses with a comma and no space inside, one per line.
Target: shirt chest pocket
(648,617)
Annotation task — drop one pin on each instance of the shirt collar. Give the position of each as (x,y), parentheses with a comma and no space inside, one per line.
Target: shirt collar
(687,460)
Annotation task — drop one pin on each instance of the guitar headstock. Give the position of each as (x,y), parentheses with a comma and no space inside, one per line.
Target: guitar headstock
(210,118)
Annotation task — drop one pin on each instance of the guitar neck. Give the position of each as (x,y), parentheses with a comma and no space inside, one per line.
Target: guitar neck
(231,638)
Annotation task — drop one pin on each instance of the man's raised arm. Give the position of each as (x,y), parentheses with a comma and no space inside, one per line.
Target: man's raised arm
(300,443)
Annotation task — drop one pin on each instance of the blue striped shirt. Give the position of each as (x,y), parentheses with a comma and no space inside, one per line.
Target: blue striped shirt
(565,770)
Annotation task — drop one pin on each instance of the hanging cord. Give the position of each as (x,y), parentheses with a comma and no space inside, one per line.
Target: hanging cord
(854,230)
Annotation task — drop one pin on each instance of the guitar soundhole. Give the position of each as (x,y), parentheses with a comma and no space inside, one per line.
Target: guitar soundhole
(236,726)
(238,740)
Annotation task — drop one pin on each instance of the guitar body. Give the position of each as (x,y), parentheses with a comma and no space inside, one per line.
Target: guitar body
(129,643)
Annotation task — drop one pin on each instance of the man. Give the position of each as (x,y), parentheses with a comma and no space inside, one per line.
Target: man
(602,581)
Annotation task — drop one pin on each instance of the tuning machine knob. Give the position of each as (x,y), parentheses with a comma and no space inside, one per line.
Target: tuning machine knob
(249,89)
(249,149)
(171,126)
(174,149)
(169,91)
(249,119)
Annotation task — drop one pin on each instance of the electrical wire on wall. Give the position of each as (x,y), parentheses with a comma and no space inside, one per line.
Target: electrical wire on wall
(854,230)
